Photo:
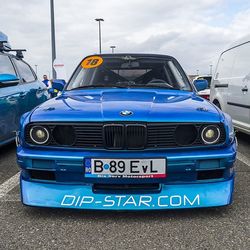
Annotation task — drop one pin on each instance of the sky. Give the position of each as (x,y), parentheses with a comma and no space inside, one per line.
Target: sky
(195,32)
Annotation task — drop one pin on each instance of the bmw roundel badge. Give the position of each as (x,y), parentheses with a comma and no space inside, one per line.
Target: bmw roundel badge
(126,113)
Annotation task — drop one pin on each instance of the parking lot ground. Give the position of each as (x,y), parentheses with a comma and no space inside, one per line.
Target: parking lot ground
(24,227)
(8,166)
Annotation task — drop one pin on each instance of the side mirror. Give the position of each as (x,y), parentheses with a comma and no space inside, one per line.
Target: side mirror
(58,84)
(7,80)
(200,84)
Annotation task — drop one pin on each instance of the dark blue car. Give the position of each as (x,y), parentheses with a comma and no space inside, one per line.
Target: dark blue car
(129,132)
(20,92)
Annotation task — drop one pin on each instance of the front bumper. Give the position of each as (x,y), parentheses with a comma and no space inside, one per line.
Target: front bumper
(169,197)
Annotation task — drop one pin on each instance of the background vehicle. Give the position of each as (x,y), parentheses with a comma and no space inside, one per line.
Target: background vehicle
(230,88)
(20,91)
(206,92)
(57,87)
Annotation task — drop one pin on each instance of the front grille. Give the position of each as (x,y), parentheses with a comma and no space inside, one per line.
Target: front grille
(121,136)
(88,135)
(136,136)
(124,136)
(114,136)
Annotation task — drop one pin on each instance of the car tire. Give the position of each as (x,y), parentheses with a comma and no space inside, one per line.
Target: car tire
(217,104)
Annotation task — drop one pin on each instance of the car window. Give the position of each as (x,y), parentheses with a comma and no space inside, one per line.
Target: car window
(225,65)
(6,67)
(242,63)
(24,71)
(180,79)
(122,72)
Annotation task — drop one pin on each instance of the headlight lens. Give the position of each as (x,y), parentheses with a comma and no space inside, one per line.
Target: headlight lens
(210,134)
(39,134)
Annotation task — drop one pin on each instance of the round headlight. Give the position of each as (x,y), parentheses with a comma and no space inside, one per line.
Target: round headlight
(39,134)
(210,134)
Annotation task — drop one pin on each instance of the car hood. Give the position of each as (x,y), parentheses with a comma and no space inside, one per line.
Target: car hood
(146,105)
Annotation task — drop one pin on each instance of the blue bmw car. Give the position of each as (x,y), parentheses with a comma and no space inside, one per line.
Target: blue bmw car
(20,91)
(129,132)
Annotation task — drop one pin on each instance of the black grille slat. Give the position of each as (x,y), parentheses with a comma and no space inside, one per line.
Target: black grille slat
(136,136)
(125,135)
(114,136)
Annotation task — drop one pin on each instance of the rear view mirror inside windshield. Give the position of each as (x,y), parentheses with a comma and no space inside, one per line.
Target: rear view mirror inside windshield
(130,65)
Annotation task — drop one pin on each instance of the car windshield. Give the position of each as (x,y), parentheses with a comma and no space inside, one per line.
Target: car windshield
(130,72)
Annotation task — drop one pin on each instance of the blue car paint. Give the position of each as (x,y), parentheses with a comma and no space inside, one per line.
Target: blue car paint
(147,105)
(15,101)
(179,190)
(170,196)
(180,162)
(10,112)
(8,77)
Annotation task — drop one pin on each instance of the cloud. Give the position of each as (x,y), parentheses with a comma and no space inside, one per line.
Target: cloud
(194,32)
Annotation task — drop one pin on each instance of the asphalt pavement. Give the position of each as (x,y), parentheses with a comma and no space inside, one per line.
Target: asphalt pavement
(24,227)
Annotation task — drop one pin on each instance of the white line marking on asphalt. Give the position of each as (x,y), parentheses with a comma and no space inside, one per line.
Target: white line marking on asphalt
(243,158)
(8,185)
(10,198)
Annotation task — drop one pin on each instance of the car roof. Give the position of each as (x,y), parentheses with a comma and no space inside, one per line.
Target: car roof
(242,40)
(204,76)
(10,55)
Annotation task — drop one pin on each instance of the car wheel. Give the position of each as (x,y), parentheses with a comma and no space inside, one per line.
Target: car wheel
(217,104)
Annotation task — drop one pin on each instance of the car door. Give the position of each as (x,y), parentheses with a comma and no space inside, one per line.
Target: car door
(239,87)
(9,103)
(33,91)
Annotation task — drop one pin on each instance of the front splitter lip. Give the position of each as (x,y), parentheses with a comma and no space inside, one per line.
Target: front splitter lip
(171,196)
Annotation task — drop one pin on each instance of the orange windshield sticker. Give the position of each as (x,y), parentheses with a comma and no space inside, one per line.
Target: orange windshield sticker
(91,62)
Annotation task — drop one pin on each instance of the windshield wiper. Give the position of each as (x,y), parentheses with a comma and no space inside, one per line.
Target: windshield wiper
(99,86)
(124,84)
(92,86)
(132,84)
(159,87)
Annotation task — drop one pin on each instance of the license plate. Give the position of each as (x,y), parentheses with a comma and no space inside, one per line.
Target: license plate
(125,168)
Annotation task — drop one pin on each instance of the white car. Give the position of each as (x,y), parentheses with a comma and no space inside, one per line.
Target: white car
(230,87)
